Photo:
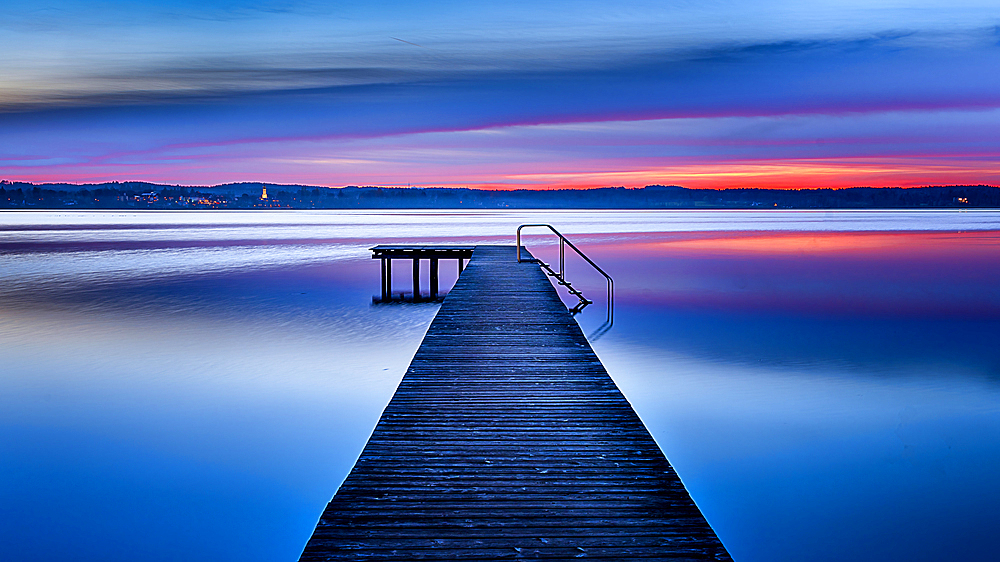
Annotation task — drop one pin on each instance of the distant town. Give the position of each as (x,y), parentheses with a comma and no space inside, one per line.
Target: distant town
(141,195)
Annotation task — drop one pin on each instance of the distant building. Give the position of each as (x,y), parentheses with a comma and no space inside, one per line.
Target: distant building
(263,195)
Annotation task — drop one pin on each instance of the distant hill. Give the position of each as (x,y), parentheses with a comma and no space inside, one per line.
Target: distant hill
(142,195)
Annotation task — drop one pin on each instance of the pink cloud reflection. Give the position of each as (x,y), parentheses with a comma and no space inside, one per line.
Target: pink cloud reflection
(845,273)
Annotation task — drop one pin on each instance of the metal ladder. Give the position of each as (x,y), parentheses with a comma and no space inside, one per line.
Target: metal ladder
(560,276)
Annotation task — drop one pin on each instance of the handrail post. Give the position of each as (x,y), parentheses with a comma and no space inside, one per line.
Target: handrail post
(562,258)
(519,243)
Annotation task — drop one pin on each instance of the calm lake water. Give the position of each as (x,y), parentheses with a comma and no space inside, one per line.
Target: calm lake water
(195,386)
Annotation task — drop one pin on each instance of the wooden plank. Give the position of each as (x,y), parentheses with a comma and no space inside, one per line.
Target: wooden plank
(507,439)
(408,251)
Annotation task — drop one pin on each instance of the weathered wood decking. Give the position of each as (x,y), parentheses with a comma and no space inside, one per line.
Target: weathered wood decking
(507,439)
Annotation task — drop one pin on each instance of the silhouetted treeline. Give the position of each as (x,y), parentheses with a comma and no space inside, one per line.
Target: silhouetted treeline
(141,195)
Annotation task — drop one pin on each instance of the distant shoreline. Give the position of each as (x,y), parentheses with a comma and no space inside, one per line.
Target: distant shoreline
(142,195)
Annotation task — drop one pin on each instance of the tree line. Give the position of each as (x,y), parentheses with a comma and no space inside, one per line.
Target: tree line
(142,195)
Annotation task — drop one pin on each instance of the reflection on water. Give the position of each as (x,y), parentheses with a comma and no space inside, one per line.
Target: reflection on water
(814,386)
(192,418)
(195,385)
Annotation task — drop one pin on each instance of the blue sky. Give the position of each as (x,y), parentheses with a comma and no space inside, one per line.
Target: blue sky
(713,94)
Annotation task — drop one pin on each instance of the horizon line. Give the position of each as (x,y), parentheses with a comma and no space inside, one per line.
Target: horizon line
(5,182)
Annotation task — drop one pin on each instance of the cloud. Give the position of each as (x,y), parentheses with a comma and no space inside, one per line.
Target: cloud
(893,148)
(145,96)
(855,74)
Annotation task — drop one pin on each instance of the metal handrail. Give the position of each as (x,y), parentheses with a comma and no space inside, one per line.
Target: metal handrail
(563,242)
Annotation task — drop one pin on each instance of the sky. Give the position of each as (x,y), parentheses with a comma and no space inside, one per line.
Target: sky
(514,94)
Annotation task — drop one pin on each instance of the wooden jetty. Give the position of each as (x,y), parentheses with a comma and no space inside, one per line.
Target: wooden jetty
(507,439)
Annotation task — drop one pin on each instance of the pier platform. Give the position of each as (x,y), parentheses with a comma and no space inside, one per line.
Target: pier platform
(433,254)
(507,439)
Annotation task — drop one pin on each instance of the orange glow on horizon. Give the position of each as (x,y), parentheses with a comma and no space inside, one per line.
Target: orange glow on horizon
(779,174)
(771,174)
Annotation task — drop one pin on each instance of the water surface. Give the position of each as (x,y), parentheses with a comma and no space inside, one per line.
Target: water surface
(195,385)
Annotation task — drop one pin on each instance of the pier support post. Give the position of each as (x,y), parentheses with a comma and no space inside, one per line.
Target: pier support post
(461,265)
(416,279)
(385,289)
(388,277)
(434,278)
